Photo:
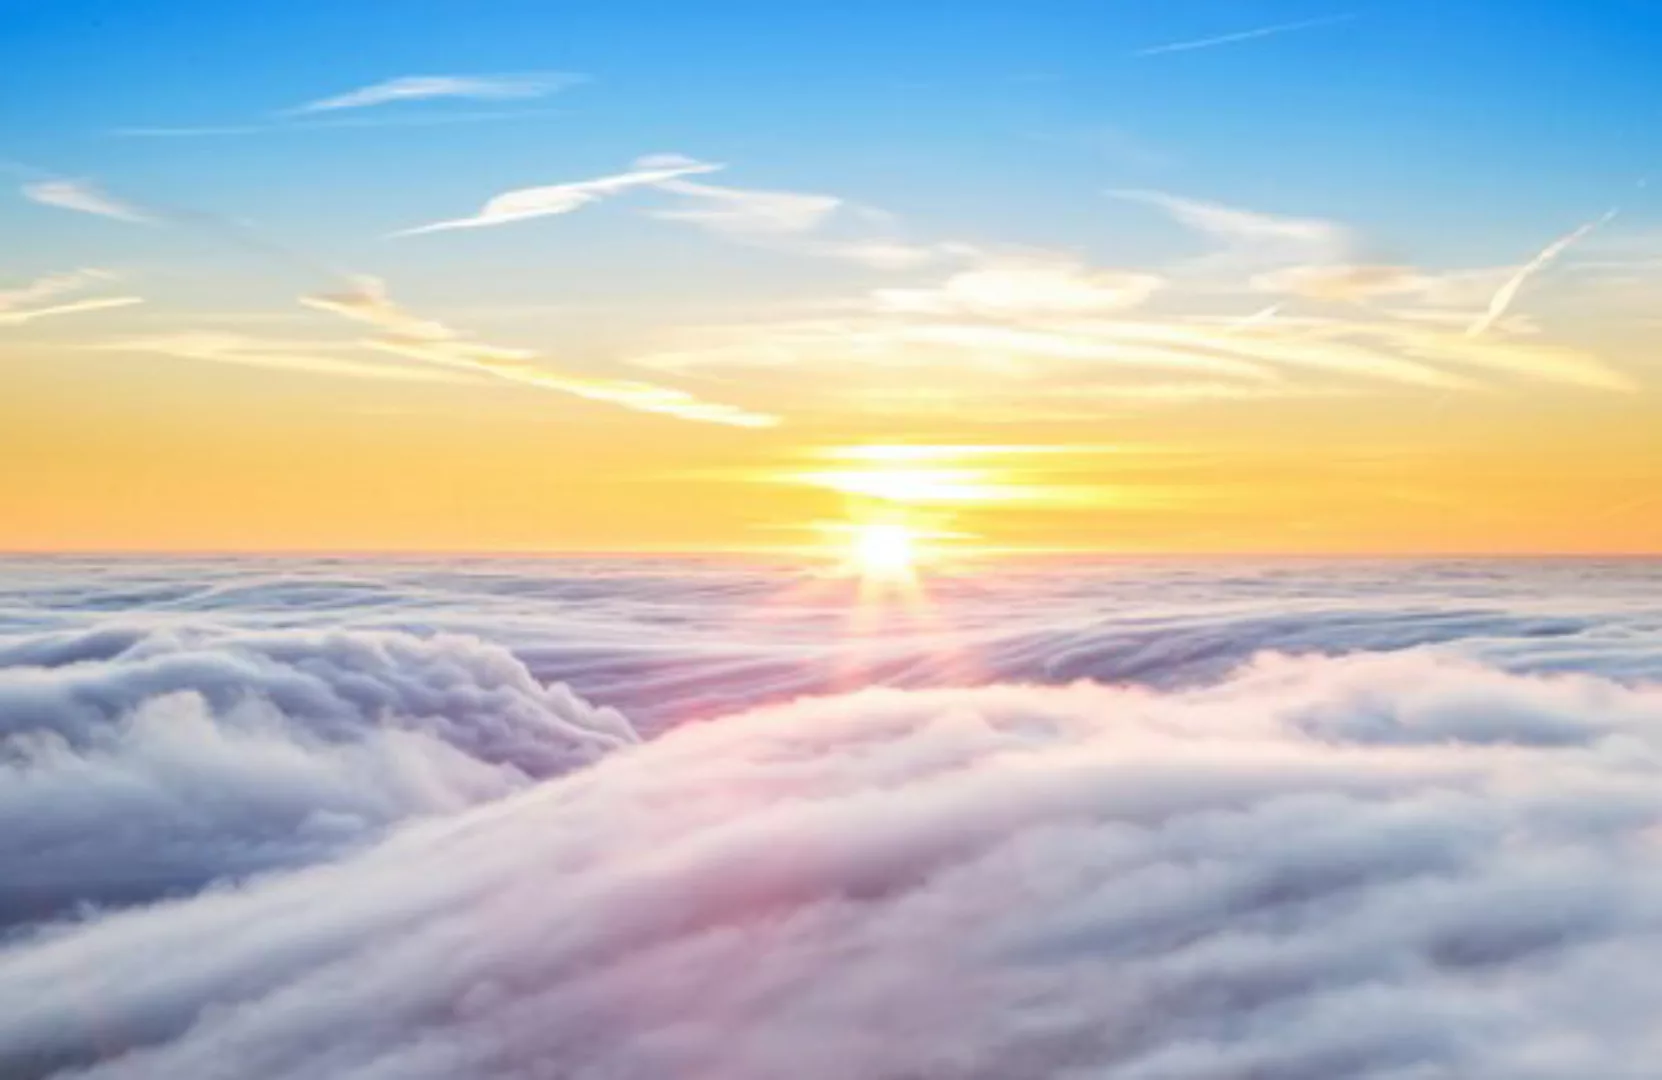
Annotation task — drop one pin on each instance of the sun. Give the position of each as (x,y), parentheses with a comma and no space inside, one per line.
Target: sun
(886,551)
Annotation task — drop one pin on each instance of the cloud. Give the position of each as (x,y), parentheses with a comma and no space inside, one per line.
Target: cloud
(1508,292)
(1381,866)
(1389,349)
(747,212)
(407,335)
(1551,363)
(1075,342)
(351,123)
(82,196)
(306,357)
(1007,336)
(884,254)
(137,762)
(1013,287)
(18,306)
(74,307)
(797,223)
(1244,35)
(535,202)
(50,287)
(428,87)
(1047,327)
(1344,282)
(1235,225)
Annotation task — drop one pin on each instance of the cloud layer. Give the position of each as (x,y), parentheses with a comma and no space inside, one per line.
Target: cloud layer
(1377,866)
(140,763)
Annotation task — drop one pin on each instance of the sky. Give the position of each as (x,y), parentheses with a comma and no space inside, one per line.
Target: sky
(1188,276)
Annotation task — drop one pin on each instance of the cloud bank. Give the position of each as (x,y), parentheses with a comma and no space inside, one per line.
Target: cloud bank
(138,763)
(1398,866)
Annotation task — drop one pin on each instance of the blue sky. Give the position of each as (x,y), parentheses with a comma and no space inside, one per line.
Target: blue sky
(1231,226)
(986,116)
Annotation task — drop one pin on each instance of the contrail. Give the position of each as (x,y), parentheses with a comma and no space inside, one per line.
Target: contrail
(1502,300)
(1245,35)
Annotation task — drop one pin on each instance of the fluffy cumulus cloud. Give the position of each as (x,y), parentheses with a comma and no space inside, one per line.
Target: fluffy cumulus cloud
(140,762)
(1384,866)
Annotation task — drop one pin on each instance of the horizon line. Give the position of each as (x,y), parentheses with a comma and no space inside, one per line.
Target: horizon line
(797,552)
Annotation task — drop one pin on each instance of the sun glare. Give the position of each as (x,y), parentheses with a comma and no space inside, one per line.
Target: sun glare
(885,551)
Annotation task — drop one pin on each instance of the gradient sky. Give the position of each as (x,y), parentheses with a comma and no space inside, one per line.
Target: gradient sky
(1188,275)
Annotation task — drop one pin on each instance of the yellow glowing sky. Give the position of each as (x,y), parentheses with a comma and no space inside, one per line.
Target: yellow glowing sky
(104,453)
(379,325)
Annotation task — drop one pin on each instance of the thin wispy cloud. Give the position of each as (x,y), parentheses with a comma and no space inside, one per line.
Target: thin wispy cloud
(85,197)
(1231,223)
(345,123)
(1008,328)
(39,298)
(526,203)
(50,286)
(290,356)
(428,87)
(74,307)
(406,334)
(884,254)
(1508,292)
(1254,34)
(747,212)
(1026,287)
(801,223)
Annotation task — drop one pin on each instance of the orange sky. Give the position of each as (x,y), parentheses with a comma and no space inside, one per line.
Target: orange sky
(106,453)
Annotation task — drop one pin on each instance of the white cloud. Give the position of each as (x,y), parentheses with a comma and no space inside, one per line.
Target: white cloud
(1344,282)
(190,757)
(1244,35)
(408,335)
(73,307)
(31,302)
(427,87)
(1008,343)
(1015,287)
(82,196)
(305,357)
(801,223)
(527,203)
(747,212)
(1508,292)
(1394,866)
(347,123)
(884,254)
(1234,225)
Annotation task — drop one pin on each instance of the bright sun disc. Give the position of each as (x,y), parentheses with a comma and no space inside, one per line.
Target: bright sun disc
(885,551)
